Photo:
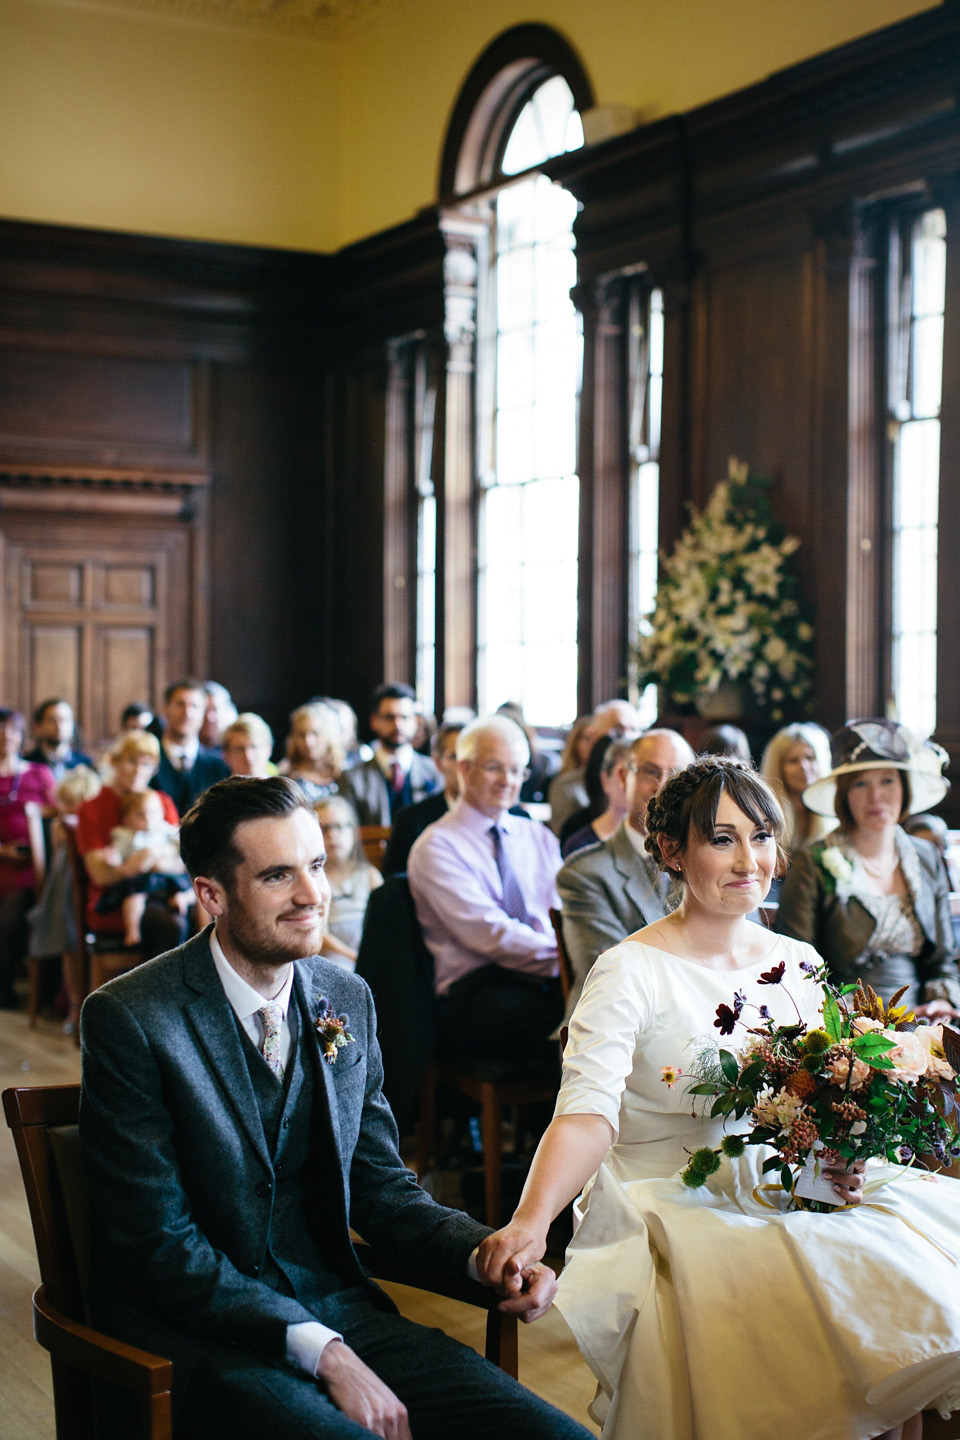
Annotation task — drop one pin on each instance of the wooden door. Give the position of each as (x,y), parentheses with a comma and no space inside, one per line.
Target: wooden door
(98,609)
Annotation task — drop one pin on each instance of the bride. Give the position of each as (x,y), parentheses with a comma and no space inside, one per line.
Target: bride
(710,1312)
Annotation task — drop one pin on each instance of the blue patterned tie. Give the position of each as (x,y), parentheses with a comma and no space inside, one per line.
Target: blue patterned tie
(512,894)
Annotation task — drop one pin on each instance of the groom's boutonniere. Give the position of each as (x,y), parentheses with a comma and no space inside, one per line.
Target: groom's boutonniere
(331,1031)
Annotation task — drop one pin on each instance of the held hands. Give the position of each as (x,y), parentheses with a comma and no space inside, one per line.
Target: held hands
(508,1261)
(360,1394)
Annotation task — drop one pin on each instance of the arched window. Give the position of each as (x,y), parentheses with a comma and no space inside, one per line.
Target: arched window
(519,108)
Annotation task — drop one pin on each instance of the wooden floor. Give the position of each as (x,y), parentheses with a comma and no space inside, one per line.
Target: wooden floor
(550,1363)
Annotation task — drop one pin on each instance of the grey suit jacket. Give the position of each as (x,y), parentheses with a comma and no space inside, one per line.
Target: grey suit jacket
(367,789)
(181,1175)
(566,794)
(607,891)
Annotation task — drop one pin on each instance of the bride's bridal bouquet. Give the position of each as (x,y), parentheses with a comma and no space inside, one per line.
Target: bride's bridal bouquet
(864,1083)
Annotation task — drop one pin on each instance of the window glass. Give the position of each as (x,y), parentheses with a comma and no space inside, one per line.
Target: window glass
(646,385)
(917,293)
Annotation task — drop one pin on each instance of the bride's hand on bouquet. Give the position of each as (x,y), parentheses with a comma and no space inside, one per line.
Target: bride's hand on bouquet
(846,1179)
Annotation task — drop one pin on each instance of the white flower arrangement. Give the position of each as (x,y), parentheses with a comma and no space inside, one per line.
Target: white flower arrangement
(727,606)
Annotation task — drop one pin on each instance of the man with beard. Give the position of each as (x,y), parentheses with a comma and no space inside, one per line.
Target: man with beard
(234,1128)
(397,775)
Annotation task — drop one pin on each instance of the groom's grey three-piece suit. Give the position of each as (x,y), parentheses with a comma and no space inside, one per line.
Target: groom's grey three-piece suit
(222,1198)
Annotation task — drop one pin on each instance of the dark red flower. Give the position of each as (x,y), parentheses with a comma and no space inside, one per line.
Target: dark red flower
(726,1019)
(774,976)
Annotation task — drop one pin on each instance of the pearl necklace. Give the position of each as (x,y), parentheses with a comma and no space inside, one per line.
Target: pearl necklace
(879,872)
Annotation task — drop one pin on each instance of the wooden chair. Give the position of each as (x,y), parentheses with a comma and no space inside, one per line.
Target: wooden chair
(494,1085)
(99,957)
(374,839)
(44,1125)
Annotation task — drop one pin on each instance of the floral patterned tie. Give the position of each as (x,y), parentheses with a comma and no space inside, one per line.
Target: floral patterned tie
(271,1016)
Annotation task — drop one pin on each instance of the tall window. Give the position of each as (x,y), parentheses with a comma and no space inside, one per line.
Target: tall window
(529,372)
(646,402)
(917,275)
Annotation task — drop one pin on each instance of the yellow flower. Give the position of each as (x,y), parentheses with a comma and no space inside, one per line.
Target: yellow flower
(670,1074)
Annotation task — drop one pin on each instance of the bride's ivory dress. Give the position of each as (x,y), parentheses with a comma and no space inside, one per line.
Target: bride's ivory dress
(705,1314)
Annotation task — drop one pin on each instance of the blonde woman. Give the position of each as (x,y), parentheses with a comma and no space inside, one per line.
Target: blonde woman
(315,755)
(351,879)
(796,757)
(131,764)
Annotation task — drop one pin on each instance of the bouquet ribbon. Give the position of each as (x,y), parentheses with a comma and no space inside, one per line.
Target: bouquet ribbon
(870,1204)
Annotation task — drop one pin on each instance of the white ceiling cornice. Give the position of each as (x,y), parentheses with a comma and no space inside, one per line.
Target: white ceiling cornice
(312,19)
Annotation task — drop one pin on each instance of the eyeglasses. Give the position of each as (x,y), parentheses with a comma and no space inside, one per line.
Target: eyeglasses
(652,772)
(502,772)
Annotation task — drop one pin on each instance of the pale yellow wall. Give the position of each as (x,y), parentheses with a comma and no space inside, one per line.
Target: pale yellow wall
(136,123)
(405,69)
(131,122)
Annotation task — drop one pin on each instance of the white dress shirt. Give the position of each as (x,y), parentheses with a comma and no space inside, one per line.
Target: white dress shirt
(181,757)
(306,1341)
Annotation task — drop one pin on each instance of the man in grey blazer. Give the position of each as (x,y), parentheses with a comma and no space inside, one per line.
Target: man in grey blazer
(234,1128)
(609,890)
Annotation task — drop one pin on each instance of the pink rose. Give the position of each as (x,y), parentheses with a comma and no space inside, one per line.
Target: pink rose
(908,1056)
(862,1025)
(839,1069)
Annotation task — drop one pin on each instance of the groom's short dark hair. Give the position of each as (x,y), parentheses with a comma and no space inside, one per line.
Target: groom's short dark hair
(207,846)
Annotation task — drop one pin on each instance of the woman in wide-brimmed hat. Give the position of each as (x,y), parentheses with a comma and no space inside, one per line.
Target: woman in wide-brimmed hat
(870,898)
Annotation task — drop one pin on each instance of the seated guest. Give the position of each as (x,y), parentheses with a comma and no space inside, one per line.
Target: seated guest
(314,751)
(412,820)
(483,884)
(397,775)
(725,740)
(567,790)
(793,759)
(143,828)
(247,746)
(351,878)
(136,717)
(218,713)
(355,753)
(606,786)
(610,890)
(20,781)
(131,761)
(543,763)
(227,1165)
(53,929)
(186,767)
(53,727)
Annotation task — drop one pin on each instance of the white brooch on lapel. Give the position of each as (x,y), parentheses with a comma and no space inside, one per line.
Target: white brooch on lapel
(837,869)
(332,1031)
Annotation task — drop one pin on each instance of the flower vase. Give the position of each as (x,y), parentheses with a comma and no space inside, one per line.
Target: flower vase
(727,702)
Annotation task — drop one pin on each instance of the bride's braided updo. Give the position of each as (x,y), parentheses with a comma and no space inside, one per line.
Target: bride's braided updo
(689,799)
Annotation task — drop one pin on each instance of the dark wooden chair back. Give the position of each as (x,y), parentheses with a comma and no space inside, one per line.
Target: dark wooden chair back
(44,1125)
(566,969)
(374,839)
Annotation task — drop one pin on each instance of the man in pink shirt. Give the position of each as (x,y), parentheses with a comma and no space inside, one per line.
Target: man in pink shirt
(483,882)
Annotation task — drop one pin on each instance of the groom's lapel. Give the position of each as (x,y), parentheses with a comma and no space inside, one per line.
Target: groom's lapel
(215,1027)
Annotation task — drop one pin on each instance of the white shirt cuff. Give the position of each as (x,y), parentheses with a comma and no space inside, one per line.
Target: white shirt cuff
(472,1270)
(306,1342)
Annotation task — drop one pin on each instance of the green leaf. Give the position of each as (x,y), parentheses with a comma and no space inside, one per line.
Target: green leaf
(786,1178)
(832,1018)
(707,1088)
(752,1073)
(871,1044)
(848,989)
(730,1066)
(771,1163)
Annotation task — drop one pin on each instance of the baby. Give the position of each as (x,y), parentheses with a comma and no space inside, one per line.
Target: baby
(144,828)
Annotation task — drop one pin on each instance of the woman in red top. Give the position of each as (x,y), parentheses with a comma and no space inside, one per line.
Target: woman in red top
(133,761)
(20,781)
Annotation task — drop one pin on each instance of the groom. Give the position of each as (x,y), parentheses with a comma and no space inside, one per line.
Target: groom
(234,1129)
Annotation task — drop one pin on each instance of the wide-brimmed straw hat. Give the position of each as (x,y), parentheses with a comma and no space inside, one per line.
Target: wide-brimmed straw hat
(881,745)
